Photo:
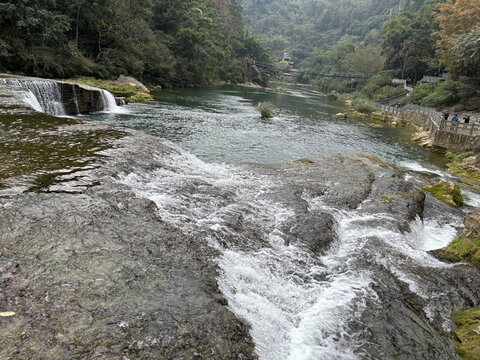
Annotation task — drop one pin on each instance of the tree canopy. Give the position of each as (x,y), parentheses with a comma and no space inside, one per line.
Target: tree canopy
(167,42)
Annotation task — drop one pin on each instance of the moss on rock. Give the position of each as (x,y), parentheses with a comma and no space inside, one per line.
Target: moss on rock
(462,248)
(467,333)
(447,192)
(132,93)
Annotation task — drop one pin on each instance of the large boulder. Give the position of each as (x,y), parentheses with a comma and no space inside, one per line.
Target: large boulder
(132,81)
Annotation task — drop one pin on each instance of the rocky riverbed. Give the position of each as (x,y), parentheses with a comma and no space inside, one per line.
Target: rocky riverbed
(118,244)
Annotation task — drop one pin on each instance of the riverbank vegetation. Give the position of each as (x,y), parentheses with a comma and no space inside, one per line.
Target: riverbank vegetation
(130,92)
(447,192)
(468,333)
(169,43)
(384,38)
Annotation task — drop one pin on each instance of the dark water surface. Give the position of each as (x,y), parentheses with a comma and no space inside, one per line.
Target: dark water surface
(220,124)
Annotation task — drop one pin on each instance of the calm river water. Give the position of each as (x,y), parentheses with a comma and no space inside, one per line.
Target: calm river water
(220,124)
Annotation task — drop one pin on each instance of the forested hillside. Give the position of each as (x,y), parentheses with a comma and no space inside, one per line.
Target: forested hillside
(391,38)
(300,26)
(166,42)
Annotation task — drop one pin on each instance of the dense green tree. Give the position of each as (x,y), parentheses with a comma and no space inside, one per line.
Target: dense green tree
(409,43)
(467,50)
(167,42)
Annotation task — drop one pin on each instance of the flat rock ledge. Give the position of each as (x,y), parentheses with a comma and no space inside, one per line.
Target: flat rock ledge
(90,269)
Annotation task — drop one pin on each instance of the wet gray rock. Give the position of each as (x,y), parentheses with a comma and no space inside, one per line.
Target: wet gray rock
(93,271)
(92,268)
(315,229)
(99,274)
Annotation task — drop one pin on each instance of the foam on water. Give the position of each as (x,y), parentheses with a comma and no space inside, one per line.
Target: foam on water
(32,101)
(470,197)
(417,167)
(293,315)
(300,305)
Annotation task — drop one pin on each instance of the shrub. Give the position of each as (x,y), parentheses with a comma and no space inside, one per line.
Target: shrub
(388,92)
(420,92)
(443,93)
(331,97)
(377,82)
(266,109)
(363,105)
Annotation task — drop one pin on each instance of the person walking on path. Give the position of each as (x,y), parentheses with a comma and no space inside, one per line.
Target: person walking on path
(466,119)
(455,118)
(446,115)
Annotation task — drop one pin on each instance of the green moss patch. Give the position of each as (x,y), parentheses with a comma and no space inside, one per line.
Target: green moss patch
(447,192)
(134,94)
(462,248)
(469,174)
(467,333)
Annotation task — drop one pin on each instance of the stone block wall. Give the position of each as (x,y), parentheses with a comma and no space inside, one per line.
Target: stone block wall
(455,142)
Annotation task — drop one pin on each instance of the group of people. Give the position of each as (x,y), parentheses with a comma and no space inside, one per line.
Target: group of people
(466,118)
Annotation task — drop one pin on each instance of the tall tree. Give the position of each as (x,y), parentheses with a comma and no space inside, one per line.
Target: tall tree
(456,19)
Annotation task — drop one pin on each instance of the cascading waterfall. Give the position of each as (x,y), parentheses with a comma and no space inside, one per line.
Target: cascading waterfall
(31,100)
(300,306)
(108,101)
(48,94)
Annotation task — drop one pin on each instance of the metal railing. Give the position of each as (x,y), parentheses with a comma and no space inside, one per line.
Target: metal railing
(435,116)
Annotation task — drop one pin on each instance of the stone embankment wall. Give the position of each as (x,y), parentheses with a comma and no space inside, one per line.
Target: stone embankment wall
(421,120)
(460,138)
(456,142)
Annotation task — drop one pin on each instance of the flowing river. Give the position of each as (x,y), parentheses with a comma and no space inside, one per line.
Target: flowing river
(220,124)
(343,303)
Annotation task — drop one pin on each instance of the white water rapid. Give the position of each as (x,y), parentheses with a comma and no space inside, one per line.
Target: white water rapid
(300,306)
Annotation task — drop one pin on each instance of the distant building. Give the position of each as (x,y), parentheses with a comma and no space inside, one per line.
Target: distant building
(288,58)
(432,79)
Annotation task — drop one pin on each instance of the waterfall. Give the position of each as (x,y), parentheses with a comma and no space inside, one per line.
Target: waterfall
(109,103)
(300,305)
(31,100)
(48,94)
(75,99)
